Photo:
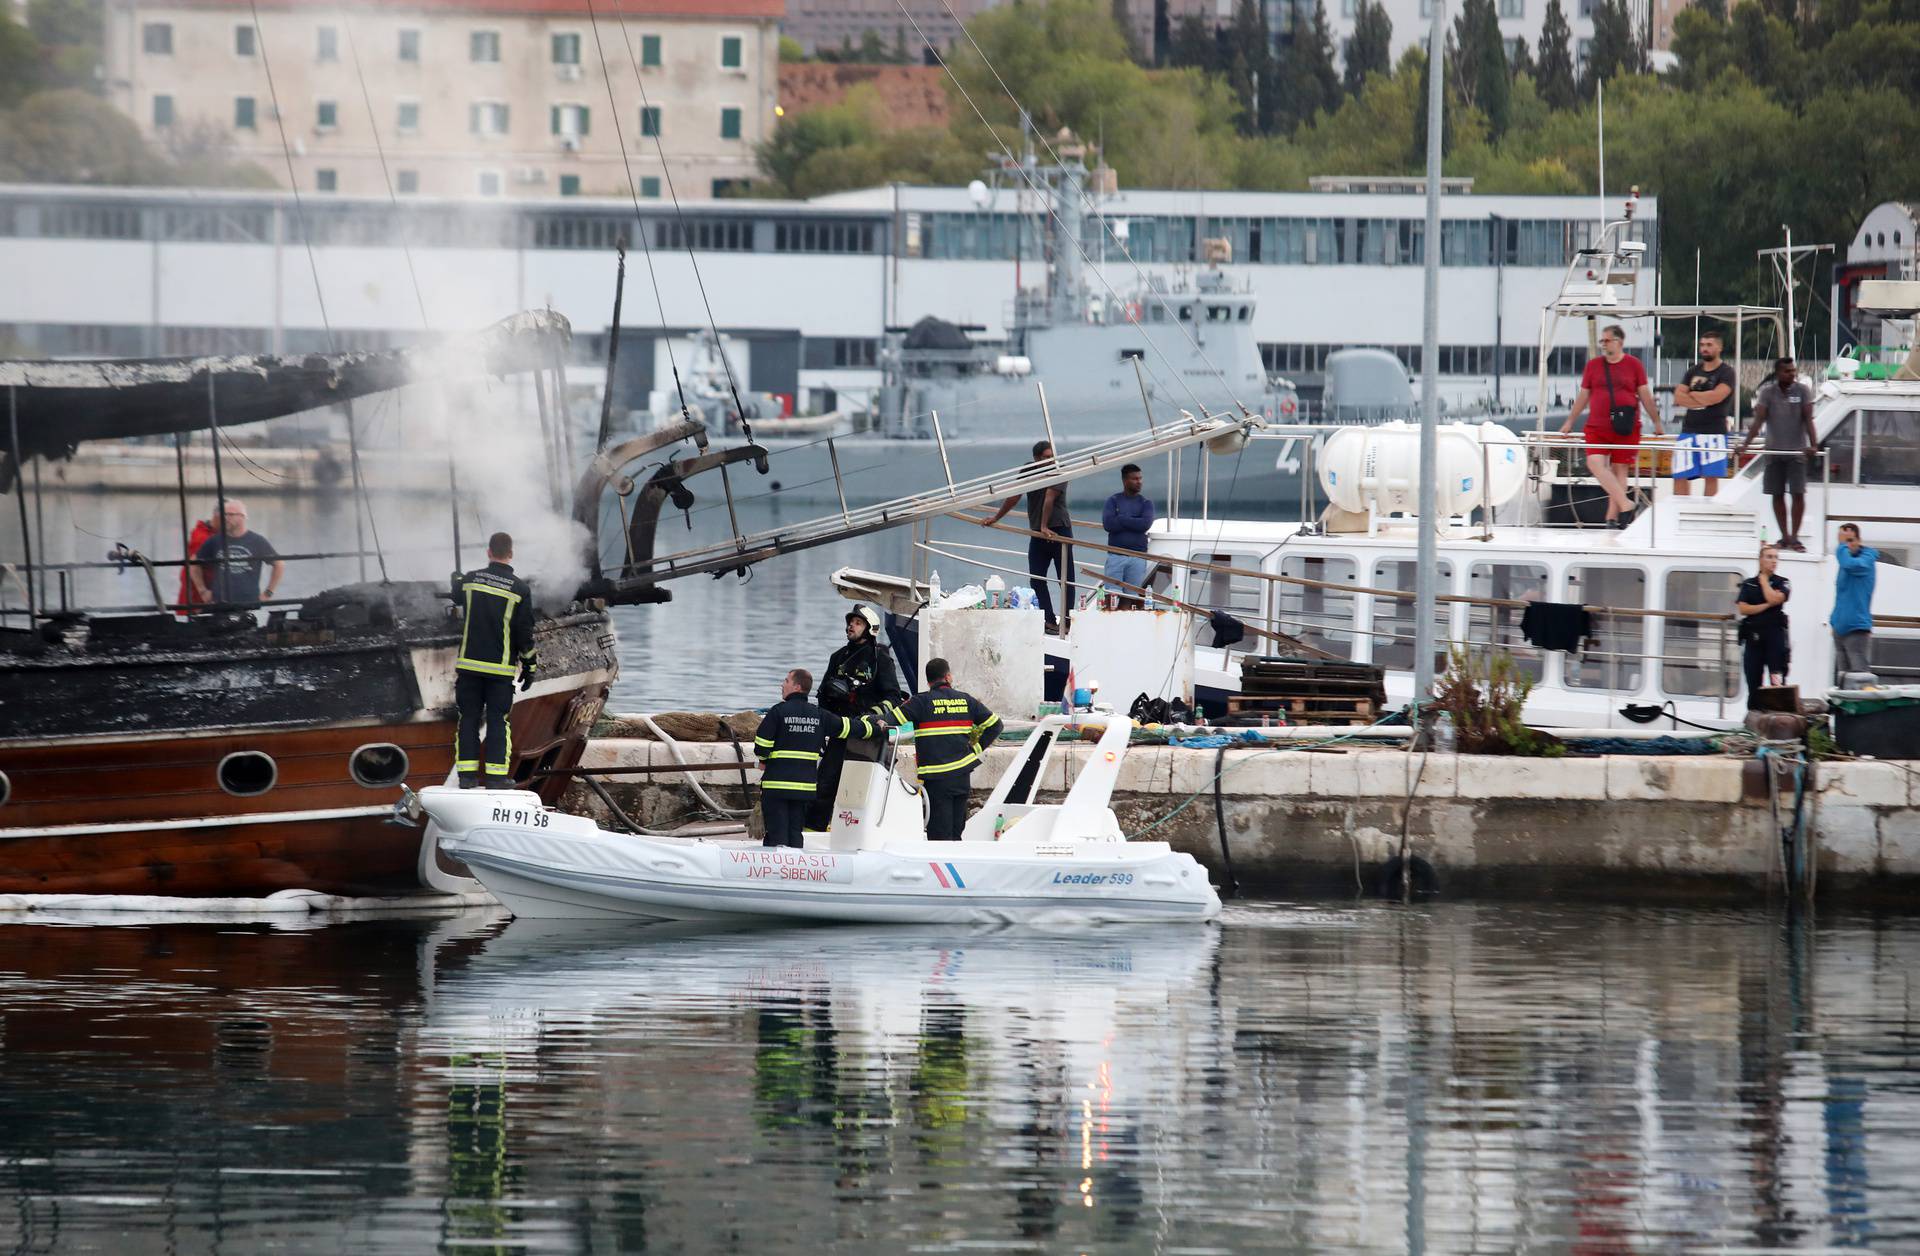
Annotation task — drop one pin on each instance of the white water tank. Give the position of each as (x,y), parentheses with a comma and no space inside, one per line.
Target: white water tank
(1013,364)
(1379,466)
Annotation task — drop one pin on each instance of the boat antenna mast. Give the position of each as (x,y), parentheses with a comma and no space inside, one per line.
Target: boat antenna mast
(1428,551)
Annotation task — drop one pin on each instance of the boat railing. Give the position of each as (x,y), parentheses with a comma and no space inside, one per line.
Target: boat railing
(123,557)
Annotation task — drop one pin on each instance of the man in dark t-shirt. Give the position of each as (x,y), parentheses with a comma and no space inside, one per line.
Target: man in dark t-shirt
(1053,547)
(1706,396)
(227,567)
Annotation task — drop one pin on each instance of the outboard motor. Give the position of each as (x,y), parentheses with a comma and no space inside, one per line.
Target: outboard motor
(874,806)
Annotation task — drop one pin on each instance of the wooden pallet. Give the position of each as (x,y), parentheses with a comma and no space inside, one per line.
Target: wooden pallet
(1306,708)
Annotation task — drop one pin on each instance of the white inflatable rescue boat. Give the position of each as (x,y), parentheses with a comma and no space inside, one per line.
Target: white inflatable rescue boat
(1019,860)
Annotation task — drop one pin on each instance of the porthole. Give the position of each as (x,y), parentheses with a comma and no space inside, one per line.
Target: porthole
(248,773)
(378,765)
(6,789)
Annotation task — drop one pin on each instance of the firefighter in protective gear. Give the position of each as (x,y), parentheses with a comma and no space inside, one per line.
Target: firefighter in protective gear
(789,743)
(496,643)
(950,729)
(859,677)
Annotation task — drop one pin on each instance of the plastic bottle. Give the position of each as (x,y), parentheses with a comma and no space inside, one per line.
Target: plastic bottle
(933,588)
(1443,732)
(999,826)
(996,591)
(1173,594)
(1146,598)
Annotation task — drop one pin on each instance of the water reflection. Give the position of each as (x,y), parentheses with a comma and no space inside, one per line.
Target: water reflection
(1453,1079)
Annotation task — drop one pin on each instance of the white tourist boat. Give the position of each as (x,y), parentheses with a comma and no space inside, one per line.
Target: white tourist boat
(1019,860)
(1519,523)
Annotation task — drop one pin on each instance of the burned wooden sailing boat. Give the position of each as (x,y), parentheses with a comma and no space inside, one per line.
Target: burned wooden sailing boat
(147,753)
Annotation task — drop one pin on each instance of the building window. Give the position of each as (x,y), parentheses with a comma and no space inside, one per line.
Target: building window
(1513,8)
(326,115)
(650,51)
(408,116)
(163,111)
(487,117)
(406,182)
(1889,448)
(729,123)
(650,186)
(1322,618)
(243,41)
(568,120)
(489,183)
(410,45)
(566,49)
(650,122)
(326,181)
(484,46)
(1693,650)
(569,185)
(328,46)
(1615,652)
(156,38)
(243,113)
(730,52)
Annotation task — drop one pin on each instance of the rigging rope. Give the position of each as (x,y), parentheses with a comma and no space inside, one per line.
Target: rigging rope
(640,226)
(319,294)
(666,172)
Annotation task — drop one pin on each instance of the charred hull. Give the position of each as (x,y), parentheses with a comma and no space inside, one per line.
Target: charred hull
(257,763)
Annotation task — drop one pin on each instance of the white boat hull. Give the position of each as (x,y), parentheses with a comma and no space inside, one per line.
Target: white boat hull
(542,875)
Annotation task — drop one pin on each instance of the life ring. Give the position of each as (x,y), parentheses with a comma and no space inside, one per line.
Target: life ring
(1286,405)
(1133,311)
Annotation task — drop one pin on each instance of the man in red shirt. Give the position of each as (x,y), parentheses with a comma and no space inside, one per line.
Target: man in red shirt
(1616,384)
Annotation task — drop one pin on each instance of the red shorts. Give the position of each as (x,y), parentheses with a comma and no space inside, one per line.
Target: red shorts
(1603,434)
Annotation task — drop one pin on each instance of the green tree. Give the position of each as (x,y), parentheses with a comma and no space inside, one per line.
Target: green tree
(72,137)
(1371,47)
(1480,71)
(19,61)
(1521,63)
(1194,46)
(1555,73)
(1618,46)
(1251,72)
(791,53)
(1316,84)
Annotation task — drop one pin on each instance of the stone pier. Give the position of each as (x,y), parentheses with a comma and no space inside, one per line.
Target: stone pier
(1332,822)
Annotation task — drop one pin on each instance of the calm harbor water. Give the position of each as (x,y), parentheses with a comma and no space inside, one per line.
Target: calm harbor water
(1452,1078)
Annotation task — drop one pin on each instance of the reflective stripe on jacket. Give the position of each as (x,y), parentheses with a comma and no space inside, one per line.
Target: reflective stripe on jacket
(499,621)
(950,729)
(791,738)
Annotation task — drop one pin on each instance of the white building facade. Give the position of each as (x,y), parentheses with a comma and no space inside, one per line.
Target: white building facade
(807,290)
(459,98)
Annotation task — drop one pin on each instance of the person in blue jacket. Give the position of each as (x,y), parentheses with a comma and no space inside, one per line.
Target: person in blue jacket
(1852,620)
(1127,516)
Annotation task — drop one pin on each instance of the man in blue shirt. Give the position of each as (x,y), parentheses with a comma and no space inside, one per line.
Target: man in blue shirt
(227,567)
(1126,517)
(1852,620)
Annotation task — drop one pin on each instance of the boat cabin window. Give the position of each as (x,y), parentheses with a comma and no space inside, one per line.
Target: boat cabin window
(1246,313)
(248,773)
(1896,658)
(1186,313)
(378,765)
(1889,446)
(1219,313)
(1843,450)
(1156,312)
(1238,596)
(1320,618)
(1613,658)
(6,789)
(1500,625)
(1393,620)
(1692,661)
